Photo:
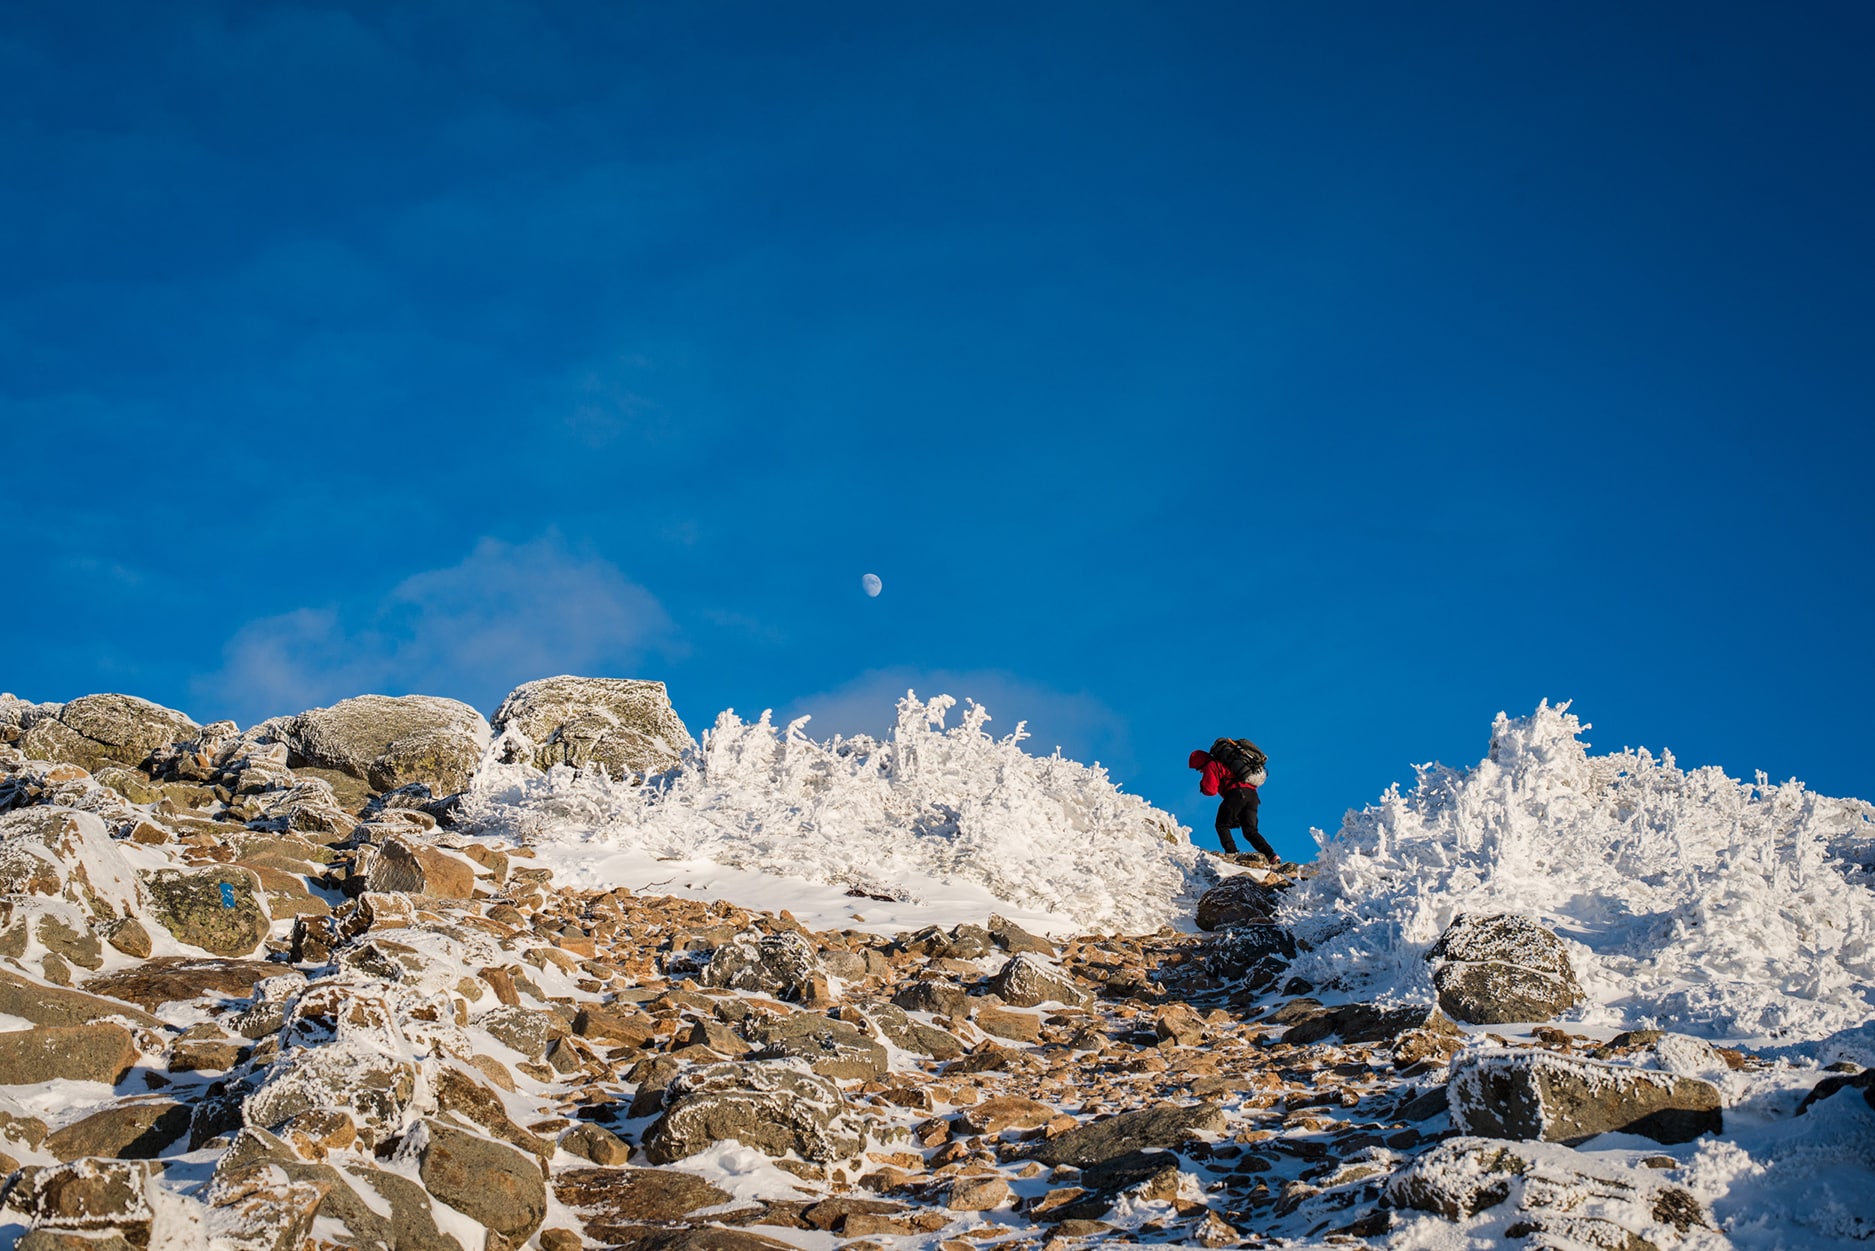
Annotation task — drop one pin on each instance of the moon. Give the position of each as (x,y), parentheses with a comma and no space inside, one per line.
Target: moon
(872,585)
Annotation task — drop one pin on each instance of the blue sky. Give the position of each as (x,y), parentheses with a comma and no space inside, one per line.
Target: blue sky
(1332,375)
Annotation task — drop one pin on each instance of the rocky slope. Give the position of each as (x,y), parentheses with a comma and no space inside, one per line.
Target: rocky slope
(256,991)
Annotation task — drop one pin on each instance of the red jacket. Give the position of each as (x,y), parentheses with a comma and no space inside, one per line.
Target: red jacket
(1215,775)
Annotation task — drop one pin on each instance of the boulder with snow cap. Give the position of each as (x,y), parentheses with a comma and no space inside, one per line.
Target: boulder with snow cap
(621,725)
(388,741)
(1495,969)
(96,731)
(783,965)
(774,1106)
(374,1088)
(1541,1095)
(1563,1197)
(88,1196)
(63,853)
(1026,980)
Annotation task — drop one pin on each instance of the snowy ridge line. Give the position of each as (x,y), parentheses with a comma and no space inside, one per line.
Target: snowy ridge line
(1690,901)
(930,803)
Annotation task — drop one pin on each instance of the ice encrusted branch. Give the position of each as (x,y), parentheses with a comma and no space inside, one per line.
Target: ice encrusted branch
(1711,906)
(929,801)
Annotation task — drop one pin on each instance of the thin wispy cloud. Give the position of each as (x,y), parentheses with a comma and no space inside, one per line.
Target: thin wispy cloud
(506,614)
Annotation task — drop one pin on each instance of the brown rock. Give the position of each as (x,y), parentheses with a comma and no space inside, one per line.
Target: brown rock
(170,979)
(1001,1112)
(129,937)
(612,1200)
(1007,1023)
(45,1005)
(85,1053)
(129,1131)
(488,1181)
(978,1194)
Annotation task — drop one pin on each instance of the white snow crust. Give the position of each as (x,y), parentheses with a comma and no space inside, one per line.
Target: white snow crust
(1691,901)
(909,817)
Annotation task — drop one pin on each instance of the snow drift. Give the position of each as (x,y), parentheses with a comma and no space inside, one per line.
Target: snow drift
(1692,901)
(931,803)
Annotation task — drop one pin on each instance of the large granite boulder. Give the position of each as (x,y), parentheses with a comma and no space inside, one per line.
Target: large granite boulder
(775,1106)
(614,1201)
(836,1049)
(1501,968)
(1027,980)
(388,741)
(1253,954)
(48,1005)
(487,1180)
(782,965)
(375,1089)
(87,1196)
(223,910)
(20,715)
(96,731)
(101,1052)
(1238,900)
(1566,1198)
(1147,1129)
(374,1207)
(1542,1095)
(622,725)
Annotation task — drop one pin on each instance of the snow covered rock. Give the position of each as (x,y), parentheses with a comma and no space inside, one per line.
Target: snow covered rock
(1026,981)
(222,910)
(33,928)
(836,1049)
(1366,1022)
(622,725)
(375,1207)
(95,731)
(775,1106)
(1567,1198)
(374,1088)
(1863,1083)
(1502,968)
(1528,1094)
(1253,954)
(86,1197)
(783,965)
(1238,900)
(62,852)
(388,741)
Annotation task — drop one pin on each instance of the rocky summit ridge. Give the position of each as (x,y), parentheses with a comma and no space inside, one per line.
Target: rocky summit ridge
(263,990)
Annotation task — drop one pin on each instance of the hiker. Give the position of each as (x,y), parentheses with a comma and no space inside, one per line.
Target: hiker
(1234,768)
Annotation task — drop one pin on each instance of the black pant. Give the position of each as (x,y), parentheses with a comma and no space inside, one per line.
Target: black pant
(1240,809)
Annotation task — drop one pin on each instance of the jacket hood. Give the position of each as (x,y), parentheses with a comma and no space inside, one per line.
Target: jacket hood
(1199,759)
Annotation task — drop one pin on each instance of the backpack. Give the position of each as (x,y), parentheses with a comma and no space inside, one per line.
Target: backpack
(1247,762)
